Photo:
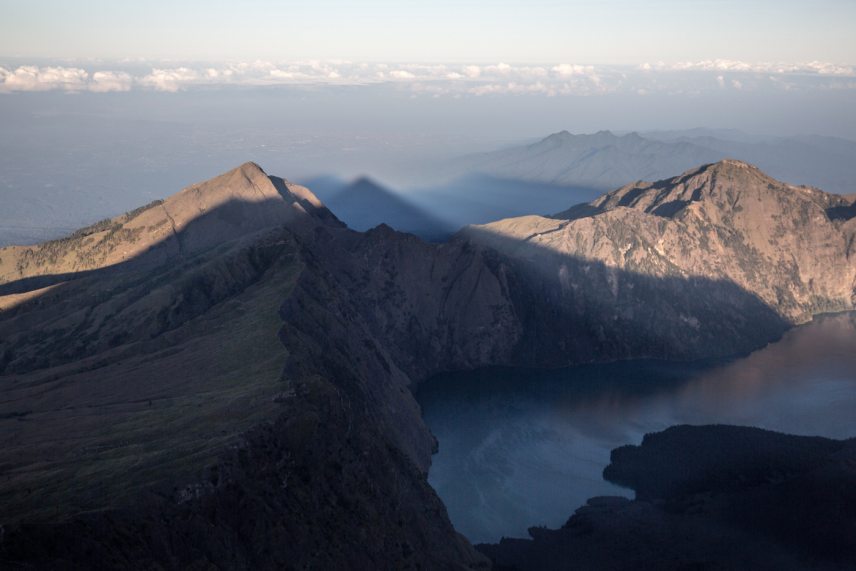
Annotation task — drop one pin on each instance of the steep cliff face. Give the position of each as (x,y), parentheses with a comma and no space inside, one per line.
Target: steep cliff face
(255,362)
(190,445)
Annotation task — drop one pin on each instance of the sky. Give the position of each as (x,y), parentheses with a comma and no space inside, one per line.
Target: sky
(626,32)
(107,104)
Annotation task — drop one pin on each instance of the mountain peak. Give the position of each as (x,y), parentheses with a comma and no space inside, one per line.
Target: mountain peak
(725,188)
(740,171)
(602,137)
(251,167)
(557,138)
(234,205)
(731,164)
(247,182)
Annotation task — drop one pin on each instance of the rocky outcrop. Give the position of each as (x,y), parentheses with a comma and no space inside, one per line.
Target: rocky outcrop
(709,497)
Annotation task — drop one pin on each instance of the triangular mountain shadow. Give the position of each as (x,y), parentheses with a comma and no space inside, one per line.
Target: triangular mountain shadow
(325,186)
(364,204)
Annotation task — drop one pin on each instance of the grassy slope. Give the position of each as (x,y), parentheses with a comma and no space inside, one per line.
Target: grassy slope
(168,408)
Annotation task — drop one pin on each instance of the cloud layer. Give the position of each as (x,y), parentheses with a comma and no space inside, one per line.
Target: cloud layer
(440,79)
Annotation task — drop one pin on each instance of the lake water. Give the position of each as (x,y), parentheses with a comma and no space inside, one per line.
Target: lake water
(520,448)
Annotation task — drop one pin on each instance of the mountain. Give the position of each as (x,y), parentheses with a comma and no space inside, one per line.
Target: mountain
(155,350)
(604,160)
(237,391)
(600,160)
(364,204)
(790,247)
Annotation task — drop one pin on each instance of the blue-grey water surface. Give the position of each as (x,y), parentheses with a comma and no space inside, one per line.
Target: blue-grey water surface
(520,448)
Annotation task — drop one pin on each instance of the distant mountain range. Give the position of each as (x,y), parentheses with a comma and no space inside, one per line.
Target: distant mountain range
(538,178)
(605,160)
(562,169)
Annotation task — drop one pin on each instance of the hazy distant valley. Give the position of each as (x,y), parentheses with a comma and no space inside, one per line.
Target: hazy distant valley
(436,185)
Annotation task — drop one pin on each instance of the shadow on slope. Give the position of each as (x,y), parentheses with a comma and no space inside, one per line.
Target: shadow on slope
(572,306)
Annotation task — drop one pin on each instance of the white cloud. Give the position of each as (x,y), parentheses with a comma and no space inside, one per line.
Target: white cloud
(33,78)
(282,74)
(498,69)
(533,72)
(568,69)
(472,71)
(402,74)
(814,67)
(106,81)
(824,68)
(539,87)
(170,79)
(440,79)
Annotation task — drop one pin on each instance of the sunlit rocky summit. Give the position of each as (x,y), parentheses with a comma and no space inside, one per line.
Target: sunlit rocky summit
(226,377)
(791,247)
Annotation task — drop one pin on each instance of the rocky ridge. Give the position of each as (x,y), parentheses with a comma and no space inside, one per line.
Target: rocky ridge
(331,450)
